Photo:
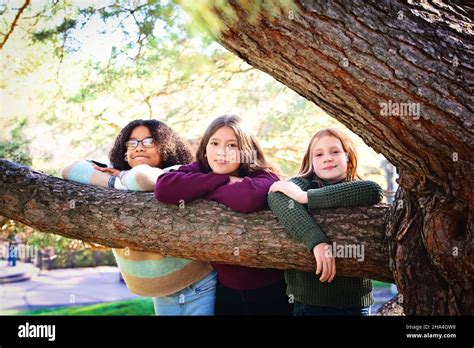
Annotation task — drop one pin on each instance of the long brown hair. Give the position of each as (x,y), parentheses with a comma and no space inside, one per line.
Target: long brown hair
(247,144)
(306,168)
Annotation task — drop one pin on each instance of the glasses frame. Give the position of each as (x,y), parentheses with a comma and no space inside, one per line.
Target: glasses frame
(138,142)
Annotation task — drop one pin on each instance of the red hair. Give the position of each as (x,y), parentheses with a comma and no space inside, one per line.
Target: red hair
(306,168)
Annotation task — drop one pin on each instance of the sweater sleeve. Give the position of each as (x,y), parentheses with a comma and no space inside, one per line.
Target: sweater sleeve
(295,217)
(83,172)
(141,178)
(247,196)
(346,194)
(187,183)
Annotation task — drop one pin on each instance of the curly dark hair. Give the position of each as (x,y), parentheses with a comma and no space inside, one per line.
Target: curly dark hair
(172,148)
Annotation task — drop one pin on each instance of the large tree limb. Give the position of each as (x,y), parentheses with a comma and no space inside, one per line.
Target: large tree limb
(203,230)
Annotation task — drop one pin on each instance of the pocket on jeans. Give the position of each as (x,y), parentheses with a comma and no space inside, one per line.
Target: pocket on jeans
(208,283)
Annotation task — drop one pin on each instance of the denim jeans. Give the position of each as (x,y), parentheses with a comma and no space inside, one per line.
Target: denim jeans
(303,309)
(196,299)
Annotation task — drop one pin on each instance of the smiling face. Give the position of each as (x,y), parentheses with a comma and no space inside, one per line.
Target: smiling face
(329,159)
(222,152)
(142,154)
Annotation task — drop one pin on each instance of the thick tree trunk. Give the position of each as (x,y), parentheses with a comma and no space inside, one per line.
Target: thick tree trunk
(203,231)
(400,75)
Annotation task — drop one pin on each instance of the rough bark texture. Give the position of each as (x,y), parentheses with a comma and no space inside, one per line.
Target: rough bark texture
(392,307)
(203,230)
(351,57)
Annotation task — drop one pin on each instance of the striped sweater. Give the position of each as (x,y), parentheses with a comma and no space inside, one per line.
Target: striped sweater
(146,274)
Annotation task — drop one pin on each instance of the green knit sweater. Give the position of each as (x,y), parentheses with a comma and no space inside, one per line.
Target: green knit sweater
(342,292)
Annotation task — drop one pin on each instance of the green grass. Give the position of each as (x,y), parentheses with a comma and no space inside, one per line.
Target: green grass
(141,306)
(378,284)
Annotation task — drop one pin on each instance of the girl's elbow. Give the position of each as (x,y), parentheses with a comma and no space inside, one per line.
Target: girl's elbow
(271,197)
(168,195)
(65,172)
(165,199)
(377,193)
(144,182)
(380,195)
(162,195)
(82,165)
(252,205)
(270,200)
(276,199)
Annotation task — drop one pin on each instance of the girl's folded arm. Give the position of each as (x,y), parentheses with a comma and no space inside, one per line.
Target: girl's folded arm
(296,219)
(141,178)
(345,194)
(186,184)
(247,196)
(83,172)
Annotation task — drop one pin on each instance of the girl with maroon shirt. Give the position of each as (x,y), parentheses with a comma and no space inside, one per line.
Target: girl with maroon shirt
(231,169)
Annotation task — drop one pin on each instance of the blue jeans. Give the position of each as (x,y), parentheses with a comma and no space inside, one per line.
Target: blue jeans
(196,299)
(303,309)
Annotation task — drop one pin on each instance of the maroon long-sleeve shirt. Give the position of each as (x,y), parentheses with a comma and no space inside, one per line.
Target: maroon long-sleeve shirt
(190,182)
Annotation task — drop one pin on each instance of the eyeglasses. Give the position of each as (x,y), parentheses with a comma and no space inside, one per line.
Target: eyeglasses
(133,144)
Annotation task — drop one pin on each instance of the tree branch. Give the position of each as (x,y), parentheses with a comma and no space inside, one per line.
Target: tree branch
(202,230)
(12,27)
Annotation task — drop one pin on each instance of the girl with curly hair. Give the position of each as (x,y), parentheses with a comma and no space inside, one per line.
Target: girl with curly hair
(143,151)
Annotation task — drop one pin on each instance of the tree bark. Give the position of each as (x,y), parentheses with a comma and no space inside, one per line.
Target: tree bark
(202,230)
(358,59)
